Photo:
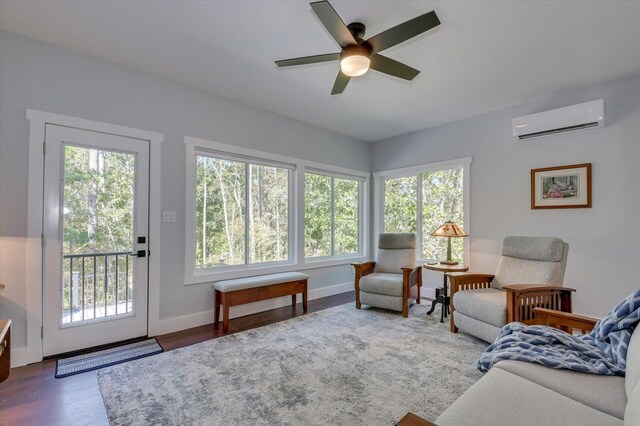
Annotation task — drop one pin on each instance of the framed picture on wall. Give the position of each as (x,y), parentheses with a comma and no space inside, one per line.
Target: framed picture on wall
(561,187)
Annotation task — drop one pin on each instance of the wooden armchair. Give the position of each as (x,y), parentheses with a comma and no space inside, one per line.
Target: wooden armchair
(387,283)
(529,276)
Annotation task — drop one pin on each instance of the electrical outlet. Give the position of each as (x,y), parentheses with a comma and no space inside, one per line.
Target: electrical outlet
(169,217)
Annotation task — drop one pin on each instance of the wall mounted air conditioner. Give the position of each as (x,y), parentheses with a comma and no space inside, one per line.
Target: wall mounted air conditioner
(589,115)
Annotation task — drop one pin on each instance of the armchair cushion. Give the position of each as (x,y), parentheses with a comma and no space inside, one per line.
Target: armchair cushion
(382,283)
(512,270)
(488,305)
(392,260)
(543,249)
(395,241)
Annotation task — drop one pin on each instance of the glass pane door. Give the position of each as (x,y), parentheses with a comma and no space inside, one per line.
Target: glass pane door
(97,233)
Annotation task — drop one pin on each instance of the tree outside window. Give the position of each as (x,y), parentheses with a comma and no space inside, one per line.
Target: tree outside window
(331,216)
(442,200)
(441,196)
(242,214)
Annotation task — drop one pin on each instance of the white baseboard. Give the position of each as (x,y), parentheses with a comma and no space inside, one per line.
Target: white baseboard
(197,319)
(20,357)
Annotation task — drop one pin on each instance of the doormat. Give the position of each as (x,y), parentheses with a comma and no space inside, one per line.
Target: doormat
(104,358)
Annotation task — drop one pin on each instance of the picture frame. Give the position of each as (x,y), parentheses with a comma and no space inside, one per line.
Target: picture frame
(561,187)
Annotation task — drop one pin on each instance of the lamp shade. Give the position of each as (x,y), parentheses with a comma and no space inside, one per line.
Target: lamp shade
(449,229)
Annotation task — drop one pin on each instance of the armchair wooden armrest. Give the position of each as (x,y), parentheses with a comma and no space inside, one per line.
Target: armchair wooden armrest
(411,276)
(523,299)
(361,269)
(413,420)
(564,320)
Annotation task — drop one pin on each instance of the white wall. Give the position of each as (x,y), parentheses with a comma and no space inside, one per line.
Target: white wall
(604,261)
(44,77)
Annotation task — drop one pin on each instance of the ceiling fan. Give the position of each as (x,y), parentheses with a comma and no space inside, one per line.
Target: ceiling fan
(358,55)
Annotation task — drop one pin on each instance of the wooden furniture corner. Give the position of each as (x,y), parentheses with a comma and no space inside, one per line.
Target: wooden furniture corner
(411,419)
(564,320)
(5,349)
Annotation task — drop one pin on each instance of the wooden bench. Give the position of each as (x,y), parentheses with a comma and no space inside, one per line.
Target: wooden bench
(239,291)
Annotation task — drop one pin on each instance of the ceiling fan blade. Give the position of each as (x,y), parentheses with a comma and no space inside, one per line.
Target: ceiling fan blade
(333,23)
(403,32)
(341,82)
(308,60)
(393,67)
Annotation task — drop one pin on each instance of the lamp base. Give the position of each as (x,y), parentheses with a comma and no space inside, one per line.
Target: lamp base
(449,262)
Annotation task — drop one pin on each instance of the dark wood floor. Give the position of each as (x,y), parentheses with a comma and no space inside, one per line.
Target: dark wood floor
(32,396)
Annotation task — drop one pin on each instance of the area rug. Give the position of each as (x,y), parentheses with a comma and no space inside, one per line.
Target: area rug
(340,366)
(104,358)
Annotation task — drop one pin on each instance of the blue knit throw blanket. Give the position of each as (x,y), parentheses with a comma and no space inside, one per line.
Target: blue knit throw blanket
(603,351)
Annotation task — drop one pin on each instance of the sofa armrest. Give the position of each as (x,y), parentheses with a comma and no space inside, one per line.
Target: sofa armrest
(564,320)
(522,299)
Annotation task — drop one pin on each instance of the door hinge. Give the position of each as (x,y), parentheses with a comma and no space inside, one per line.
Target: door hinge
(42,240)
(41,332)
(44,148)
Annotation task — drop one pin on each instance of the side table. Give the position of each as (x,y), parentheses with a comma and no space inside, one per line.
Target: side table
(443,297)
(5,349)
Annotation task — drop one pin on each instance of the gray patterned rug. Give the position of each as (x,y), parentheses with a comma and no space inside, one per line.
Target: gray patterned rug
(340,366)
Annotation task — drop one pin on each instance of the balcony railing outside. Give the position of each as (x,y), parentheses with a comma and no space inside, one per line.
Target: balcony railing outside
(96,286)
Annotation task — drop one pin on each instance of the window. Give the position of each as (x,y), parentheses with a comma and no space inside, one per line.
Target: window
(332,215)
(242,212)
(250,212)
(400,204)
(442,200)
(420,199)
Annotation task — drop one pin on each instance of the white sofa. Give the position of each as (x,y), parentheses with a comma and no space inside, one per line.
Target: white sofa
(520,393)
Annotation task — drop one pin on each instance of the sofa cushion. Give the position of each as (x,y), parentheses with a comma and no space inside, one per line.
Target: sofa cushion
(258,281)
(486,304)
(545,249)
(392,260)
(604,393)
(503,398)
(633,363)
(382,283)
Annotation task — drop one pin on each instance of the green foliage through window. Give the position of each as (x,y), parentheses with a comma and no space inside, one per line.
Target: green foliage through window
(331,216)
(233,229)
(400,204)
(442,200)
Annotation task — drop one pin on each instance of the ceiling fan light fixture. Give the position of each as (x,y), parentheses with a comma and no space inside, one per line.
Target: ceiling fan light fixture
(355,60)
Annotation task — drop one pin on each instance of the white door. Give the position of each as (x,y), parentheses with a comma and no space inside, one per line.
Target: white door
(95,222)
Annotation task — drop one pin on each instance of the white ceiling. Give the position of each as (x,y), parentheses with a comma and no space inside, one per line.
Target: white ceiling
(486,55)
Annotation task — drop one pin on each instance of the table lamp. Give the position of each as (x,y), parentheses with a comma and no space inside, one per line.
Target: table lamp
(450,230)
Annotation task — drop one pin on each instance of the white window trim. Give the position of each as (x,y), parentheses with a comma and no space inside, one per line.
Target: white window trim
(296,260)
(378,189)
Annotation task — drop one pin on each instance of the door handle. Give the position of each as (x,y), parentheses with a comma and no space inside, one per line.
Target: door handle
(139,253)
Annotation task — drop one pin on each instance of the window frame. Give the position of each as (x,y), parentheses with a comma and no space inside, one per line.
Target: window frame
(298,168)
(379,179)
(362,183)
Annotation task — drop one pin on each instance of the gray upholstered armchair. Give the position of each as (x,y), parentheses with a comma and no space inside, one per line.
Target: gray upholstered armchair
(530,275)
(387,282)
